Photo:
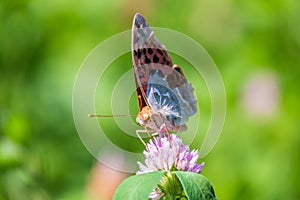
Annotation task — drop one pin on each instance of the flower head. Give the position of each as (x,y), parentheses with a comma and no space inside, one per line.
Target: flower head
(167,154)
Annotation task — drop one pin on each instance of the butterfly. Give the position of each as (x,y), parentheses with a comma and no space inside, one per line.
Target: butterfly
(165,97)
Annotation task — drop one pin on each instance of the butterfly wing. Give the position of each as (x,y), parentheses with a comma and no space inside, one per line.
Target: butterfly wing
(160,85)
(147,55)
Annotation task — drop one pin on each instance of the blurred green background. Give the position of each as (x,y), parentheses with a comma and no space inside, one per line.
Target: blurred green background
(255,44)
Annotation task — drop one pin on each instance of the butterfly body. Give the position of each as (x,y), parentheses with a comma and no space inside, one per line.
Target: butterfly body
(165,97)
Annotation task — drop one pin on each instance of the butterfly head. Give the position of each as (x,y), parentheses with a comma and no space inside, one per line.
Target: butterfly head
(144,116)
(150,119)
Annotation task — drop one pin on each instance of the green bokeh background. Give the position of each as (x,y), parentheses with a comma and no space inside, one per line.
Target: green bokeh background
(43,43)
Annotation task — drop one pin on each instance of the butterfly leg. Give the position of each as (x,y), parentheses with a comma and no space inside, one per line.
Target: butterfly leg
(139,136)
(144,131)
(164,131)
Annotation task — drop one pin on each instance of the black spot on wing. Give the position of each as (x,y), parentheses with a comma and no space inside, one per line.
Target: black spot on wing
(160,52)
(150,51)
(164,59)
(155,59)
(139,53)
(147,60)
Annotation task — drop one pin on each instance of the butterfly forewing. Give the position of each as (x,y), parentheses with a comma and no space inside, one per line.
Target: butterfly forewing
(160,85)
(148,54)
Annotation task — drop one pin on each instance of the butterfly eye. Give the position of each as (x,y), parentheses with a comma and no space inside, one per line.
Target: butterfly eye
(146,117)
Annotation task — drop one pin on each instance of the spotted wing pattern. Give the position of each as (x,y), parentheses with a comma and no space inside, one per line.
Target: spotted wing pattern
(160,85)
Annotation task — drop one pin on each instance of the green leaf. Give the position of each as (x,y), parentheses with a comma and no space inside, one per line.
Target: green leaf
(138,186)
(196,186)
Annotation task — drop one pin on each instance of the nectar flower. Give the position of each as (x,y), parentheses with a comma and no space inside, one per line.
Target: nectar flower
(169,154)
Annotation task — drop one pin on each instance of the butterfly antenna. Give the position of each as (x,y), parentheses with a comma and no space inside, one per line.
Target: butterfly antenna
(108,116)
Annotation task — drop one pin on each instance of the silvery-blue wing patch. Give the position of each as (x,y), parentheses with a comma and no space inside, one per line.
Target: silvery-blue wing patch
(165,97)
